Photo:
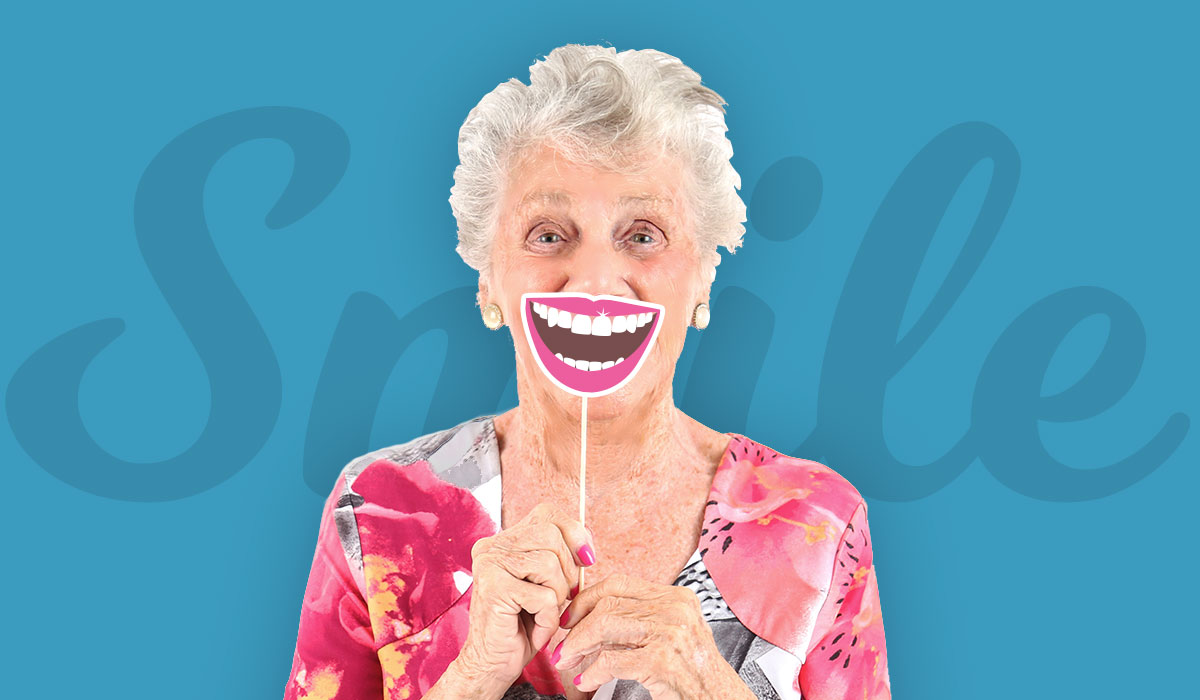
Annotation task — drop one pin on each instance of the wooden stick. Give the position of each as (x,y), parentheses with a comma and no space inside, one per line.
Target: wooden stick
(582,470)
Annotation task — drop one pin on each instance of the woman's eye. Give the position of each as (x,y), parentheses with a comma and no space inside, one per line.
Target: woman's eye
(644,236)
(545,235)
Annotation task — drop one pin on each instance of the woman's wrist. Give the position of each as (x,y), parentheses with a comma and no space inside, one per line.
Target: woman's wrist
(462,680)
(721,680)
(733,687)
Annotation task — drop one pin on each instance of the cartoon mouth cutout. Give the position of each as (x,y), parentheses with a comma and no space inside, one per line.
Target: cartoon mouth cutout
(589,345)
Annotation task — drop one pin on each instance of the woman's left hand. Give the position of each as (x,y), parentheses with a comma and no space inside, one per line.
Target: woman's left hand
(654,634)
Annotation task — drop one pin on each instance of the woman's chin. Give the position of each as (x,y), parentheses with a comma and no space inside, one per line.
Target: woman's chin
(637,396)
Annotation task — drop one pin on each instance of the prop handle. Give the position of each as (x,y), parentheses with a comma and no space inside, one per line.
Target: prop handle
(582,470)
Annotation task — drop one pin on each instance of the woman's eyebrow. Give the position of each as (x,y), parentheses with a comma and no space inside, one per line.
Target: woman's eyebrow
(661,209)
(557,197)
(650,204)
(554,199)
(645,199)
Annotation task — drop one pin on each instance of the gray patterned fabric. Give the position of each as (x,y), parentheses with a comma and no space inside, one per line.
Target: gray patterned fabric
(738,645)
(696,577)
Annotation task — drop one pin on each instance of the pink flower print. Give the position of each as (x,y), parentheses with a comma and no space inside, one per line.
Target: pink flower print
(747,491)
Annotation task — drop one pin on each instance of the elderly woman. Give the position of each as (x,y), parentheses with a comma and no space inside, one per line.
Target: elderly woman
(712,565)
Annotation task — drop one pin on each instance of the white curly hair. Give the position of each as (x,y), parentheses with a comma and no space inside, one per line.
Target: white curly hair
(605,108)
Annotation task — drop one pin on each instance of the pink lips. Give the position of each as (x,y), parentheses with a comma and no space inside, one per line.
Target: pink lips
(584,382)
(576,304)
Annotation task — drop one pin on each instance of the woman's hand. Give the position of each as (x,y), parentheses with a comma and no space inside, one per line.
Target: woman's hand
(627,628)
(521,579)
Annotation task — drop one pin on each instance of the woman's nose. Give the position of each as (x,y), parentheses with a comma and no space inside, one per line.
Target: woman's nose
(597,267)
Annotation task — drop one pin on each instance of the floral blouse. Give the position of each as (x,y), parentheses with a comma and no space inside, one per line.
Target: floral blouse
(783,572)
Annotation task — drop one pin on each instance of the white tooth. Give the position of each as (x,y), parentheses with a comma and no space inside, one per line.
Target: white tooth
(608,364)
(642,318)
(594,366)
(581,324)
(564,318)
(558,355)
(541,310)
(552,317)
(632,321)
(602,325)
(620,324)
(620,360)
(569,361)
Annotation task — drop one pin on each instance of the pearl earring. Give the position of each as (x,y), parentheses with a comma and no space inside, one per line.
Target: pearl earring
(492,317)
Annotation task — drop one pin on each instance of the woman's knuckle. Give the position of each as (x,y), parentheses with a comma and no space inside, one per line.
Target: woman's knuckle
(550,533)
(538,560)
(516,561)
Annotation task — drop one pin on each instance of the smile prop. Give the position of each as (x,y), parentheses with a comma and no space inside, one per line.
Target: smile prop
(589,346)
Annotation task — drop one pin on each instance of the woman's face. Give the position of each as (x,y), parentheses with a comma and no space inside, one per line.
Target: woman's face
(568,227)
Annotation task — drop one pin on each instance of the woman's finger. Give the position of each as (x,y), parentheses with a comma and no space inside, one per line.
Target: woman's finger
(540,566)
(541,603)
(611,664)
(548,537)
(547,527)
(615,586)
(575,536)
(612,622)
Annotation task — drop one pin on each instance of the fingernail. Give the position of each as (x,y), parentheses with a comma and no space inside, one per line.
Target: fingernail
(577,680)
(586,555)
(562,621)
(557,653)
(574,590)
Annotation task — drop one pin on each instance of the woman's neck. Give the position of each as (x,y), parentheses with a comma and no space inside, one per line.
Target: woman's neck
(627,446)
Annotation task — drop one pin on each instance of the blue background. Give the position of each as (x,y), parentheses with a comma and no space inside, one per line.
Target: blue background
(193,347)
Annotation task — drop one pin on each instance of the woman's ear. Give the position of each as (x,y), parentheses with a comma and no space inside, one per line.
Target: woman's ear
(484,295)
(708,265)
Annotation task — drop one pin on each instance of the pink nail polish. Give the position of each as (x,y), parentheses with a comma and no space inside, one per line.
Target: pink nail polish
(562,621)
(557,653)
(577,679)
(586,555)
(574,590)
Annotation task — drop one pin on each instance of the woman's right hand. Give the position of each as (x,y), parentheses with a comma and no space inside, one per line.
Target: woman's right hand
(522,578)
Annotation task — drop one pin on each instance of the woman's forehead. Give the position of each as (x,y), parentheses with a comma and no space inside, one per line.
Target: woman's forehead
(542,175)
